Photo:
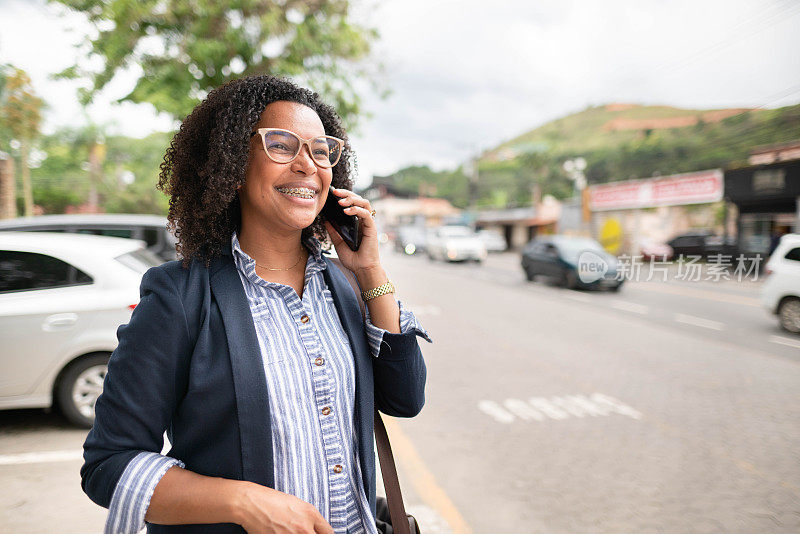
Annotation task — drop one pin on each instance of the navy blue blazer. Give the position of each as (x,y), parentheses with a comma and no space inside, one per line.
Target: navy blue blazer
(189,363)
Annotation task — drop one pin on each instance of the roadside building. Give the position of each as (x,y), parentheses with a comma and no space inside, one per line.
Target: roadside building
(397,208)
(766,196)
(520,225)
(626,214)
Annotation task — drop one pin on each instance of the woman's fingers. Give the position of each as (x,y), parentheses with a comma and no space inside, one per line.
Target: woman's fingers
(361,213)
(354,200)
(350,198)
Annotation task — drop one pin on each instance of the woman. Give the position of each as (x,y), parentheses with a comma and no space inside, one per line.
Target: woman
(252,353)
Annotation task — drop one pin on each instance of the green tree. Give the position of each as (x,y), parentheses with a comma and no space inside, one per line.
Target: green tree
(21,113)
(186,48)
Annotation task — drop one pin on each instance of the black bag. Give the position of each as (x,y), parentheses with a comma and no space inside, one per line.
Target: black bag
(384,521)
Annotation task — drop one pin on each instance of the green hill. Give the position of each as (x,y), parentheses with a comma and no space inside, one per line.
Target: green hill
(618,141)
(610,126)
(628,140)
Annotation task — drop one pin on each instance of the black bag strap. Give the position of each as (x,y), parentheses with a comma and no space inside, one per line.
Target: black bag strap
(397,511)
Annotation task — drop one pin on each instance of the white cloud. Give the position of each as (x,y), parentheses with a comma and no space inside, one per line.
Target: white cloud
(466,75)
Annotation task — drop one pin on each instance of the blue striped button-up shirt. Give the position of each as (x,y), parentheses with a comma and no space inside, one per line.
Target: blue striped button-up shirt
(308,364)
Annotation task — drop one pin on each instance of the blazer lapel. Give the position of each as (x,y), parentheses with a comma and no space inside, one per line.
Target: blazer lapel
(350,316)
(250,384)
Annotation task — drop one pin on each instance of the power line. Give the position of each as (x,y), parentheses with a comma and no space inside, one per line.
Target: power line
(789,9)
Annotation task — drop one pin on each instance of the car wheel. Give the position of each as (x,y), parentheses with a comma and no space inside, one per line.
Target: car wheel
(616,288)
(789,315)
(570,280)
(79,387)
(531,277)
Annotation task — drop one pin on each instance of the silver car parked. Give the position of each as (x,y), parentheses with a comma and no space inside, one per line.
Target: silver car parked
(62,298)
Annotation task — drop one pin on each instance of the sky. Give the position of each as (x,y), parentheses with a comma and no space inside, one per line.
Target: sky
(467,75)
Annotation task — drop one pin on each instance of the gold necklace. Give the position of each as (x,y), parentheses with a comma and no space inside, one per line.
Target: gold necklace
(286,269)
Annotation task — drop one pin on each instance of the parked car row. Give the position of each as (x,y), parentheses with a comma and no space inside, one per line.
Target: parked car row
(455,243)
(450,242)
(702,243)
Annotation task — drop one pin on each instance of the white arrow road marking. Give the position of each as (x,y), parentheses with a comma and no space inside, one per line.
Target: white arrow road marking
(522,409)
(569,406)
(588,406)
(41,457)
(616,405)
(549,409)
(780,340)
(699,321)
(562,407)
(495,411)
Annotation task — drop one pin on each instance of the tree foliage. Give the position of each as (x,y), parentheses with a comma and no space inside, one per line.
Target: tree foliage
(63,179)
(184,48)
(20,107)
(21,115)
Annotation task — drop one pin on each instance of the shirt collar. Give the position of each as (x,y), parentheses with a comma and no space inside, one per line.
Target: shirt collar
(247,265)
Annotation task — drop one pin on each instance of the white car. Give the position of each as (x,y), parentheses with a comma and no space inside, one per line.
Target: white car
(455,243)
(62,298)
(493,240)
(780,293)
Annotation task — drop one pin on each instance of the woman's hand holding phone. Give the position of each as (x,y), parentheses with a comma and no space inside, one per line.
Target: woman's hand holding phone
(366,258)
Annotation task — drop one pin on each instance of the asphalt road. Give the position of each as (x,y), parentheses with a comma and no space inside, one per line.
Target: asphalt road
(668,407)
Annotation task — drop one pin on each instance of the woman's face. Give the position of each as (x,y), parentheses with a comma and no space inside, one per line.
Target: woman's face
(261,198)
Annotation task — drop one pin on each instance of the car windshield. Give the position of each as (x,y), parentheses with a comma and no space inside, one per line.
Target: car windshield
(571,248)
(139,260)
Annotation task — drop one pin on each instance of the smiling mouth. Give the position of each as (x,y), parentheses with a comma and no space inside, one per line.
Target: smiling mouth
(301,192)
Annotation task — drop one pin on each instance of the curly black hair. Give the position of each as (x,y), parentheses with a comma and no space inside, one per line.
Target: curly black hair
(206,160)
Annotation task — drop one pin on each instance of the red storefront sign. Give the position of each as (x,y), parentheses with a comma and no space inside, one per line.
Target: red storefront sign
(689,188)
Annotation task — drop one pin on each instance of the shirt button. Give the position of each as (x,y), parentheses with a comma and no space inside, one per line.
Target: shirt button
(326,410)
(320,361)
(337,468)
(304,319)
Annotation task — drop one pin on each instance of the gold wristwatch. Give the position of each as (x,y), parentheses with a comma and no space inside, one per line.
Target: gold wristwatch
(382,289)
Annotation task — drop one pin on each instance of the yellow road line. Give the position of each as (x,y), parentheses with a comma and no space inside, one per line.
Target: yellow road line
(423,480)
(698,293)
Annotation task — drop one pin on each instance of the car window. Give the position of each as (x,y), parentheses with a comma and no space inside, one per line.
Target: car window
(793,254)
(540,247)
(150,236)
(20,271)
(117,232)
(139,260)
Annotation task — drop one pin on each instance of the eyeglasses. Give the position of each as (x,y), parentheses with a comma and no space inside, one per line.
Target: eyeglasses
(282,146)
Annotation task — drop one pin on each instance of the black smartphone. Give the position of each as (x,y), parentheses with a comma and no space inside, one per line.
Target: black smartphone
(348,226)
